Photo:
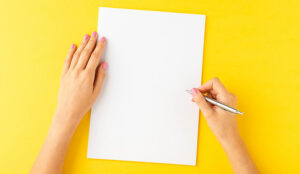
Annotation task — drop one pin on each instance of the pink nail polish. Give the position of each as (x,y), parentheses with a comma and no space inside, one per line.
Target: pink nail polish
(86,37)
(102,39)
(104,65)
(72,46)
(94,34)
(194,91)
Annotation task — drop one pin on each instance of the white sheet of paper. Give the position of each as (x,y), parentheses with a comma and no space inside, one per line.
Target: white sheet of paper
(143,112)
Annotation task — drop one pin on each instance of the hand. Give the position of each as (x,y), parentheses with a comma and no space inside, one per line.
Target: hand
(81,80)
(222,123)
(81,83)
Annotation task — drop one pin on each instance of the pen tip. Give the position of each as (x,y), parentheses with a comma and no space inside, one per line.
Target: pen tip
(188,91)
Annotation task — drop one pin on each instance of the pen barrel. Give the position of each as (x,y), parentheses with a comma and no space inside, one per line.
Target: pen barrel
(223,106)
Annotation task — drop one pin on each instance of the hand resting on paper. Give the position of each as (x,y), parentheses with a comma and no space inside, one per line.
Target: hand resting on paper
(223,124)
(81,83)
(81,79)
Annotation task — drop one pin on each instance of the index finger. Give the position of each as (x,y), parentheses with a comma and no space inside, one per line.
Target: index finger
(96,55)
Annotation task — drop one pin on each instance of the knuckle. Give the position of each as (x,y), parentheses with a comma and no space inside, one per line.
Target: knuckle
(84,53)
(86,77)
(96,52)
(216,79)
(85,41)
(68,58)
(88,47)
(76,72)
(92,65)
(76,54)
(103,74)
(88,72)
(232,95)
(231,99)
(94,55)
(93,39)
(98,49)
(101,44)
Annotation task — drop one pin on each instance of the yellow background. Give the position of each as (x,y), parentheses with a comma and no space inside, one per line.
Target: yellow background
(252,46)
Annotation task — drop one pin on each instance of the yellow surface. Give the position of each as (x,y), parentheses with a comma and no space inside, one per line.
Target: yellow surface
(253,46)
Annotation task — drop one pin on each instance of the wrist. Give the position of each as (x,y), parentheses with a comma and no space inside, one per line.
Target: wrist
(230,140)
(229,136)
(65,120)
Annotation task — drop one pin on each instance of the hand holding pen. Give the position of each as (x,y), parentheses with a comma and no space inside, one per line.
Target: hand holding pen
(216,103)
(222,123)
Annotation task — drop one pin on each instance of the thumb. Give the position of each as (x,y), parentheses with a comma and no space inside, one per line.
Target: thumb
(201,102)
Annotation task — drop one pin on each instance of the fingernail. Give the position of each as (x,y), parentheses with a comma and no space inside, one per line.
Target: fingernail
(94,34)
(194,91)
(102,39)
(104,65)
(86,37)
(72,46)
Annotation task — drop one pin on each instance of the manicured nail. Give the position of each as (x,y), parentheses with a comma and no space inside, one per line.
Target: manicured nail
(72,46)
(94,34)
(194,91)
(86,37)
(104,65)
(102,39)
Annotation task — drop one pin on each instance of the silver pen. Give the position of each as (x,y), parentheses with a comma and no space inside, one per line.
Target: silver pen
(221,105)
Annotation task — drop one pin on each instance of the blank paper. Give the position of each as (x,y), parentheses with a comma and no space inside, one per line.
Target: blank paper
(143,112)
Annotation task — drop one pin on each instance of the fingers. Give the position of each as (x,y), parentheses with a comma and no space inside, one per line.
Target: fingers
(201,102)
(69,58)
(100,76)
(213,86)
(79,50)
(96,55)
(87,51)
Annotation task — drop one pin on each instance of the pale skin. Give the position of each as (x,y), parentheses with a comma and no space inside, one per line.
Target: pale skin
(223,124)
(81,83)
